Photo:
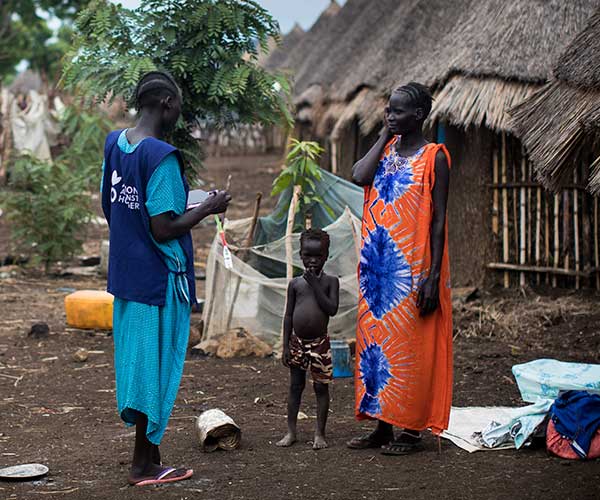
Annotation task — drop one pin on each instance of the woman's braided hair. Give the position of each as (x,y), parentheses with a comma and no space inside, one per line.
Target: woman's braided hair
(154,86)
(419,94)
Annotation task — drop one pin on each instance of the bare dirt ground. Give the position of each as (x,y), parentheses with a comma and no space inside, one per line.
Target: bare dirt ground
(56,411)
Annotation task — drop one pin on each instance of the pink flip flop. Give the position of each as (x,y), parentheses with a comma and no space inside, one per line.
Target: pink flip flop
(161,478)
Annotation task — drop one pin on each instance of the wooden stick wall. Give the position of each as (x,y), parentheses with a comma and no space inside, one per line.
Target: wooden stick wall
(542,237)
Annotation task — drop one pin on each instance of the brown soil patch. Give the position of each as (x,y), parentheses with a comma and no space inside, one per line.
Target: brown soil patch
(59,412)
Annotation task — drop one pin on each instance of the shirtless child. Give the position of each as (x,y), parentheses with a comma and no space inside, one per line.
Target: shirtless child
(311,300)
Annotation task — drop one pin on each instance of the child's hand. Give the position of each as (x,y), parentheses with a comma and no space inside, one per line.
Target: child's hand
(311,278)
(286,357)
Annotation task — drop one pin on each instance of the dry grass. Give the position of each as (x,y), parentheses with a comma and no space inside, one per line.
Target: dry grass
(561,121)
(482,102)
(579,64)
(550,125)
(511,318)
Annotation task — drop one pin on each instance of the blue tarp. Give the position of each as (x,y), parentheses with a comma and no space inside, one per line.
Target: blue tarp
(336,192)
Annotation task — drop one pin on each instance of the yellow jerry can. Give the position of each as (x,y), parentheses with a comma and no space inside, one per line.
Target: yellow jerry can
(89,309)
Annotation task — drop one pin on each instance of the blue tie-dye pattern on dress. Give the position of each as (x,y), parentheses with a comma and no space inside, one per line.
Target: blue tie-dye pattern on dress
(394,176)
(385,275)
(375,374)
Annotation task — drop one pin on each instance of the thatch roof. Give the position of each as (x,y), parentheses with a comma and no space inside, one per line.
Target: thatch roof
(483,56)
(517,39)
(279,54)
(562,121)
(579,64)
(481,102)
(376,43)
(368,47)
(308,44)
(501,53)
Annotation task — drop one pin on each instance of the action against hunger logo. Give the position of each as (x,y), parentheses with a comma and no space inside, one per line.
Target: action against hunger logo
(128,195)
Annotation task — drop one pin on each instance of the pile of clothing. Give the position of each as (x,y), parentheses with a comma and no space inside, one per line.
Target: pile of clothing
(565,412)
(573,430)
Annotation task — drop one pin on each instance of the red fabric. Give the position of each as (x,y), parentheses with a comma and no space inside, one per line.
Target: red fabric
(561,446)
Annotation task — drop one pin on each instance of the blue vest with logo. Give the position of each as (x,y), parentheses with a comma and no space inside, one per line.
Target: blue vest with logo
(136,268)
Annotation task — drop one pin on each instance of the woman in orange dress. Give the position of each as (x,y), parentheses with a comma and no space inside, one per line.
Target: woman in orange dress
(404,331)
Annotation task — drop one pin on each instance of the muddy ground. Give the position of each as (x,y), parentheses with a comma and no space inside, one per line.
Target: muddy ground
(56,411)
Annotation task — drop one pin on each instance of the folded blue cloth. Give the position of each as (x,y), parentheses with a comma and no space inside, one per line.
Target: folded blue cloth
(576,415)
(546,378)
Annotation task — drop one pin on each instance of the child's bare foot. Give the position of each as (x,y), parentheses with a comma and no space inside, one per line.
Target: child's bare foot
(319,443)
(288,440)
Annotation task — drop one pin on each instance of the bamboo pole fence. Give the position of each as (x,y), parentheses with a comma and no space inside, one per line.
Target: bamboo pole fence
(542,237)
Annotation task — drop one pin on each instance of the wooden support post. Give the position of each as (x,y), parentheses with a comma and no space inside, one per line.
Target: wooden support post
(515,205)
(538,230)
(547,235)
(556,237)
(334,157)
(495,193)
(596,249)
(587,255)
(566,229)
(243,256)
(289,271)
(210,301)
(6,143)
(522,223)
(576,230)
(529,215)
(505,252)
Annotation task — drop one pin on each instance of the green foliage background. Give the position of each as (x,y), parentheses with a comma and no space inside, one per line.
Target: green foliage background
(210,47)
(48,204)
(25,35)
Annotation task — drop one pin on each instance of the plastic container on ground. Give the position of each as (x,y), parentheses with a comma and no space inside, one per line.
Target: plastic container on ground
(89,309)
(341,358)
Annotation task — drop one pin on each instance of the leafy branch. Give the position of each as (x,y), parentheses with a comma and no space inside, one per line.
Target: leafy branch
(302,170)
(210,47)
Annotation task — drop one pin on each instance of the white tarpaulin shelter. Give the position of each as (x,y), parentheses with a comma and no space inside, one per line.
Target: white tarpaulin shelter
(252,296)
(34,129)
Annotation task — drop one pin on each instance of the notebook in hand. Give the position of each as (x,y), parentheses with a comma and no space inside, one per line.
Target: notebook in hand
(196,197)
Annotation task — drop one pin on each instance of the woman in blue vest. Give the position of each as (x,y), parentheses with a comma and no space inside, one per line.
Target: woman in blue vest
(151,269)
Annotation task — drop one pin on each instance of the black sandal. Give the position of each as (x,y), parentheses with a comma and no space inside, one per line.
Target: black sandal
(368,441)
(406,444)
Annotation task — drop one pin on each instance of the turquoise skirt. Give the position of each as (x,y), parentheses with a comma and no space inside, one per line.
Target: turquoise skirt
(150,347)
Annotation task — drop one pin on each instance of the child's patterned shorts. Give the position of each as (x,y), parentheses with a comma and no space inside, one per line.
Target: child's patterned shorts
(313,355)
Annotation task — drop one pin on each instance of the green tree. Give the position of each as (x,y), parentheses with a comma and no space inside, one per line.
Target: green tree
(209,46)
(25,35)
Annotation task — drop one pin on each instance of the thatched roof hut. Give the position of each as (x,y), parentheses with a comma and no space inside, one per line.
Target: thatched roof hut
(345,71)
(481,58)
(279,54)
(310,44)
(499,54)
(560,125)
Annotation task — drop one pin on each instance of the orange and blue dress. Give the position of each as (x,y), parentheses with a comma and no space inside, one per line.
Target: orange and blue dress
(403,361)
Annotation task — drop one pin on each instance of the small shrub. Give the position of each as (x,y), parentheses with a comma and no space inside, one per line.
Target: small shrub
(47,205)
(85,130)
